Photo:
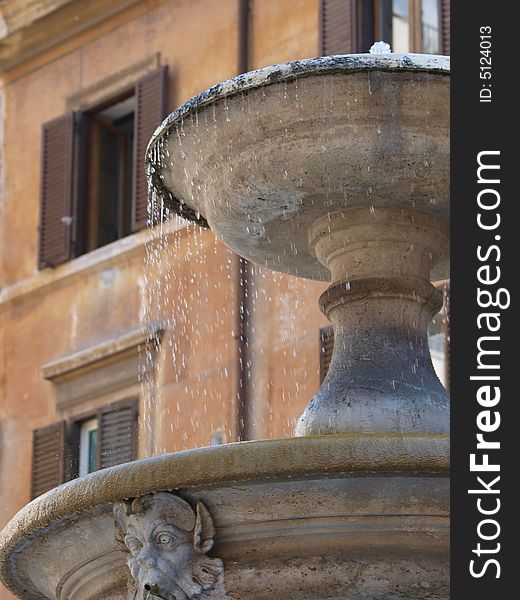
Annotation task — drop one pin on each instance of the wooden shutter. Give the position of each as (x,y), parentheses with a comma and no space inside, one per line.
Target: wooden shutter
(338,27)
(117,442)
(444,11)
(326,346)
(56,191)
(48,458)
(150,98)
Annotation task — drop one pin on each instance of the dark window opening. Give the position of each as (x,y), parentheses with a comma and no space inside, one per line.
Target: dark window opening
(108,211)
(409,25)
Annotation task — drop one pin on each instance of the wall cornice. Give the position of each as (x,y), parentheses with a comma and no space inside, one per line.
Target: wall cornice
(30,27)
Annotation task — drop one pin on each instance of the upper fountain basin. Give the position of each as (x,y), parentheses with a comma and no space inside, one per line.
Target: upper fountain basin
(261,157)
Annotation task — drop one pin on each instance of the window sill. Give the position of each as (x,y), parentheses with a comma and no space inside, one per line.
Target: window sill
(95,356)
(96,260)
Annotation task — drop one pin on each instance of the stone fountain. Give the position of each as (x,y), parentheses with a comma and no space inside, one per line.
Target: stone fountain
(334,169)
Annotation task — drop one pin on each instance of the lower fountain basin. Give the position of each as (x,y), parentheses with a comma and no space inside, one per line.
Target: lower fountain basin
(346,516)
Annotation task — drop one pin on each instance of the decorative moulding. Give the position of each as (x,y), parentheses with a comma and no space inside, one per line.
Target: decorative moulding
(107,349)
(112,86)
(28,29)
(112,366)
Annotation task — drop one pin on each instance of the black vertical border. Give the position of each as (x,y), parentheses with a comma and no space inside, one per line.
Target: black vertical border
(477,127)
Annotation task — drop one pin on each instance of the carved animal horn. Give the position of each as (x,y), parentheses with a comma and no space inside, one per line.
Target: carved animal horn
(204,529)
(121,511)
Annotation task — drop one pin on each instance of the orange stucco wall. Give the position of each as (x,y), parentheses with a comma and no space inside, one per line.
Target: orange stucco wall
(50,314)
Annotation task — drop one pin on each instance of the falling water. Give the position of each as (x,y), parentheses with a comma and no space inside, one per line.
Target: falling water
(188,292)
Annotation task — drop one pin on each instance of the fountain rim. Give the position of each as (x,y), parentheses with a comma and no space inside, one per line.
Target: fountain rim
(283,72)
(300,457)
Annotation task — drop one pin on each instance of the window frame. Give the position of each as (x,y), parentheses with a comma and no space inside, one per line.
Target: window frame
(444,287)
(127,400)
(89,169)
(326,348)
(66,436)
(414,23)
(85,427)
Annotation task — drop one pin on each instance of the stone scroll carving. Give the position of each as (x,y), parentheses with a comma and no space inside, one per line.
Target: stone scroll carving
(167,542)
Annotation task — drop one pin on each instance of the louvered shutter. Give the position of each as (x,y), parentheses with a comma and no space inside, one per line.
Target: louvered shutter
(48,458)
(117,432)
(56,191)
(151,97)
(326,346)
(338,27)
(445,25)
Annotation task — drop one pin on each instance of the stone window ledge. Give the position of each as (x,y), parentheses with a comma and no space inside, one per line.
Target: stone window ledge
(96,260)
(94,354)
(103,369)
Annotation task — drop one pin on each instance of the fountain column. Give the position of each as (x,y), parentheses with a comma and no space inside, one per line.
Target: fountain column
(381,377)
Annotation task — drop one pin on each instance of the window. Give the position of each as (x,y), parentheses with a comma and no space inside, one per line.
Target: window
(437,343)
(88,434)
(413,25)
(108,207)
(93,185)
(430,27)
(326,347)
(97,394)
(72,448)
(439,337)
(350,26)
(395,27)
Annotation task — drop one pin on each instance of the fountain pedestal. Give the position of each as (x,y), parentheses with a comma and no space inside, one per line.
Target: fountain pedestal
(381,378)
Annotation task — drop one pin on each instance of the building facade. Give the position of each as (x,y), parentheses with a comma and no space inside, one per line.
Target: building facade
(117,340)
